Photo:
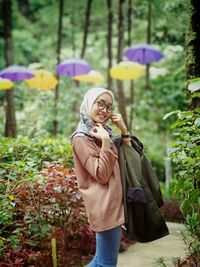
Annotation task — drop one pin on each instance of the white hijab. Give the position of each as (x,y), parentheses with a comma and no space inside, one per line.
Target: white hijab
(90,98)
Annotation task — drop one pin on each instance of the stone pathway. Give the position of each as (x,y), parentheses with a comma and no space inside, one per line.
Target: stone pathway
(149,254)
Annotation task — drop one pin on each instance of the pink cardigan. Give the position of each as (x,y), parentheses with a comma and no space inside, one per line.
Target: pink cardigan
(99,182)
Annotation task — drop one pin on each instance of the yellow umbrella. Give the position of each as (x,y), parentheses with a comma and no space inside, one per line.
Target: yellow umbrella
(91,77)
(6,84)
(43,80)
(127,70)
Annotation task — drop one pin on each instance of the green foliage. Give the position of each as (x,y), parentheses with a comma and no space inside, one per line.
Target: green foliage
(39,200)
(7,210)
(51,201)
(186,155)
(21,162)
(28,153)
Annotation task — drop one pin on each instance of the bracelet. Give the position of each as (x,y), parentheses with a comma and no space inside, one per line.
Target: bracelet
(125,135)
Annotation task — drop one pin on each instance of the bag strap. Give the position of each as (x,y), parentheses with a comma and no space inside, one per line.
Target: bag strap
(137,145)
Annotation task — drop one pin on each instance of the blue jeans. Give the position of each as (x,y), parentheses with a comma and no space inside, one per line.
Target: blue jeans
(107,248)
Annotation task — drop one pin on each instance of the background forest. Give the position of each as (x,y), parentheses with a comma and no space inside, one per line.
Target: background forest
(40,34)
(34,34)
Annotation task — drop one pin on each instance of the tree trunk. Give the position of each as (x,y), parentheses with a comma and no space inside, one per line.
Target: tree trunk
(121,96)
(86,27)
(109,41)
(11,125)
(73,41)
(131,101)
(59,42)
(129,21)
(192,47)
(149,16)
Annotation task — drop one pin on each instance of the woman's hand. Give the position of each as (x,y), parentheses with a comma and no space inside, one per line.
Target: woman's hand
(119,122)
(99,132)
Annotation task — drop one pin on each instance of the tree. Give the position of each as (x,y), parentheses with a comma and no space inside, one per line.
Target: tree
(149,15)
(121,96)
(129,22)
(192,47)
(11,125)
(59,42)
(109,41)
(86,27)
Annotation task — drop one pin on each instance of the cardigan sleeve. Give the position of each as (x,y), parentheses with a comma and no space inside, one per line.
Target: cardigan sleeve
(99,163)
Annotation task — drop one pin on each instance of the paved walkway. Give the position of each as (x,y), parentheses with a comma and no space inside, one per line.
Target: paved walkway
(148,254)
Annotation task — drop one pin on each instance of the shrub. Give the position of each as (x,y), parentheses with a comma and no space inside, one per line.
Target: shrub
(38,202)
(186,155)
(52,207)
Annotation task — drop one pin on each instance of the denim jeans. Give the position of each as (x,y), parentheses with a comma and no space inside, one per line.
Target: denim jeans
(107,248)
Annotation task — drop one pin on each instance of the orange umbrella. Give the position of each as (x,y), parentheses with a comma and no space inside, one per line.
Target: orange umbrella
(91,77)
(127,70)
(43,80)
(6,84)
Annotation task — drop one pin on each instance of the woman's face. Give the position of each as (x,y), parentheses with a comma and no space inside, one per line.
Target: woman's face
(102,108)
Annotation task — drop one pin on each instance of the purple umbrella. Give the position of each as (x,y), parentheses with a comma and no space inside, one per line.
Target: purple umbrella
(16,73)
(73,67)
(143,54)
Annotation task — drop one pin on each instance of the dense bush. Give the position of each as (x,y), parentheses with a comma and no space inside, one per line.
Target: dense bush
(38,202)
(35,151)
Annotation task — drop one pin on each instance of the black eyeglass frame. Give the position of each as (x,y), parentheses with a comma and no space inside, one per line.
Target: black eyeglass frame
(109,107)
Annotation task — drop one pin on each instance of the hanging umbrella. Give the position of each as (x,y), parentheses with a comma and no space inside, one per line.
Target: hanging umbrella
(127,70)
(73,67)
(92,76)
(43,80)
(16,73)
(5,84)
(143,54)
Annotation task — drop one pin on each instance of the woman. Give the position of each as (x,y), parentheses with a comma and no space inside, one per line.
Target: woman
(98,174)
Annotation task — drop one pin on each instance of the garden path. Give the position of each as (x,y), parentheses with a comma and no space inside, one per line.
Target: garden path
(149,254)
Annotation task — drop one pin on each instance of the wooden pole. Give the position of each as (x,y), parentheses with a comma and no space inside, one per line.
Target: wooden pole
(54,256)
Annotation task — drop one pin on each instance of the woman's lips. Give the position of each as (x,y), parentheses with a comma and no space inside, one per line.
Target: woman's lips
(102,117)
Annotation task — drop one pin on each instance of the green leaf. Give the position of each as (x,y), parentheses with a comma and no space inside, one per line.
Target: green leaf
(33,228)
(45,228)
(197,122)
(194,85)
(170,113)
(185,206)
(189,160)
(1,243)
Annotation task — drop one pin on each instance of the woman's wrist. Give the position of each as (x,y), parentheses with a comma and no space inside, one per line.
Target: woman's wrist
(125,133)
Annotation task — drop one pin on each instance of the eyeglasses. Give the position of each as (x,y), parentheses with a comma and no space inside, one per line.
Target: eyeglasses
(101,105)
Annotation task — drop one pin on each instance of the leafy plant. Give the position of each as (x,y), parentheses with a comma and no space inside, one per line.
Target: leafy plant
(185,153)
(50,206)
(38,200)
